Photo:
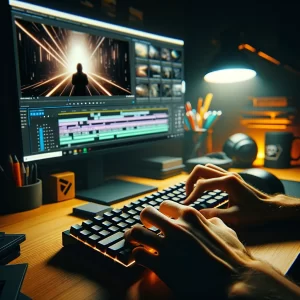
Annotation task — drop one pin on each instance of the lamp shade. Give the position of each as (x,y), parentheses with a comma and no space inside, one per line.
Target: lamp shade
(229,65)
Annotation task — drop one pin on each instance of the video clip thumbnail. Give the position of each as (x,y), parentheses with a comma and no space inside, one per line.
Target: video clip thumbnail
(155,90)
(141,70)
(177,73)
(141,50)
(176,55)
(154,52)
(166,54)
(155,71)
(167,72)
(177,90)
(142,90)
(166,90)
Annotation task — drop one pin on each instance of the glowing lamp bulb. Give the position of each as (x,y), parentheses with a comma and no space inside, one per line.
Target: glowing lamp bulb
(230,75)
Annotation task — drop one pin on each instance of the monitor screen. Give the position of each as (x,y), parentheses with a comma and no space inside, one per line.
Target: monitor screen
(87,86)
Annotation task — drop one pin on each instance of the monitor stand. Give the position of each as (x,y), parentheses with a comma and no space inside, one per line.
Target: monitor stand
(96,189)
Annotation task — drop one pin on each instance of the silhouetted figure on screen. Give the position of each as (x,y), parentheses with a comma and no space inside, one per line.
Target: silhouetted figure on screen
(80,81)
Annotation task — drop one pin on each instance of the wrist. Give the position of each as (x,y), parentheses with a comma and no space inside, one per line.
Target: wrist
(282,207)
(260,280)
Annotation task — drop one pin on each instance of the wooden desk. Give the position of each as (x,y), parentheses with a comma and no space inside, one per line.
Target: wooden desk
(44,226)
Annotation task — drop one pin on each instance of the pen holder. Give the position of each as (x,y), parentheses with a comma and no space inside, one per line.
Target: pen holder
(23,198)
(194,143)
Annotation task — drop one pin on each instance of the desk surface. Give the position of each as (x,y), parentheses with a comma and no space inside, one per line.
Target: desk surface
(44,226)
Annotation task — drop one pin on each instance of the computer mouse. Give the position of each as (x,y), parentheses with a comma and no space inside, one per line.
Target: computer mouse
(263,180)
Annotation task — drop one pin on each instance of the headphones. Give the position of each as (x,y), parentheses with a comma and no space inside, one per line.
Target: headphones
(242,149)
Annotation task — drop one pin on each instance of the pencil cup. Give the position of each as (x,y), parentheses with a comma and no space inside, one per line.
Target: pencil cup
(23,198)
(194,144)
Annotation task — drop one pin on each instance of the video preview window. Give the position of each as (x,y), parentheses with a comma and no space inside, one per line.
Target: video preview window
(55,61)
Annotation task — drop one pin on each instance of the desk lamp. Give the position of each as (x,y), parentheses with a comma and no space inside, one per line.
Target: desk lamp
(230,64)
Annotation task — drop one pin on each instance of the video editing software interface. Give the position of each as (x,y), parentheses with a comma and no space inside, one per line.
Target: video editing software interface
(84,87)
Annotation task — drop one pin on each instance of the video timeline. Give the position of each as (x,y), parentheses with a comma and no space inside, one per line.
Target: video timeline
(55,61)
(79,129)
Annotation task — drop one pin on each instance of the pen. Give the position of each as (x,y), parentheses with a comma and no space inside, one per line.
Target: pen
(187,123)
(27,174)
(2,172)
(34,175)
(24,175)
(11,165)
(17,171)
(30,180)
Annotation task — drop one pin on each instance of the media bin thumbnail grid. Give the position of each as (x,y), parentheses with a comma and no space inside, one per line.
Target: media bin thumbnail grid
(158,71)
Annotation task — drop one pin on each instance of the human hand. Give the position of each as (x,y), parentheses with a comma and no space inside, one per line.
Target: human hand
(192,255)
(247,205)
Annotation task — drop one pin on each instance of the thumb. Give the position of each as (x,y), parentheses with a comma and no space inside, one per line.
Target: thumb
(229,215)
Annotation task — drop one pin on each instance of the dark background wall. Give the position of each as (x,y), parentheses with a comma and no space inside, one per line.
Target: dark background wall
(270,28)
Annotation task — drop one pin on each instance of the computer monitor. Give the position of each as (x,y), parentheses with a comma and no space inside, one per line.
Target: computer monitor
(87,87)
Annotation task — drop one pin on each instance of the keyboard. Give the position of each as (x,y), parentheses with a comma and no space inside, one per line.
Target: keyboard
(104,234)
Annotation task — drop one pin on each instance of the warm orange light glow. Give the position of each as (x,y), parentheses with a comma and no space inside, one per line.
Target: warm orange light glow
(269,101)
(266,121)
(268,57)
(247,47)
(267,126)
(104,253)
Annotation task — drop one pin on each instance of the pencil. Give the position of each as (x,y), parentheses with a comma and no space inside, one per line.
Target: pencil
(199,121)
(17,172)
(188,106)
(207,102)
(199,105)
(191,119)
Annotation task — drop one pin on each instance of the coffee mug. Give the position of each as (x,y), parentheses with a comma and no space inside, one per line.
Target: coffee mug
(278,147)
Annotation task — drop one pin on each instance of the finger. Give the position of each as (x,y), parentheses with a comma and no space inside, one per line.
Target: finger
(258,192)
(228,183)
(216,221)
(145,258)
(216,168)
(142,236)
(229,215)
(224,171)
(200,172)
(171,209)
(152,217)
